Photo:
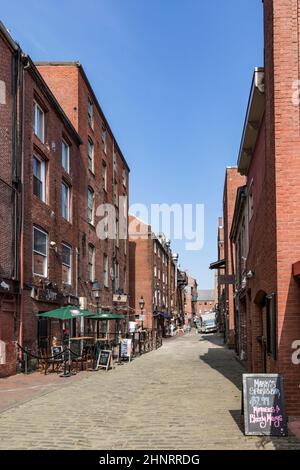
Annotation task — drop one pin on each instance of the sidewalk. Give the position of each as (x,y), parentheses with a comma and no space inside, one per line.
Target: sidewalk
(21,388)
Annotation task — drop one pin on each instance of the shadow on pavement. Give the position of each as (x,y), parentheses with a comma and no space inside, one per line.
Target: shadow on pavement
(223,360)
(213,338)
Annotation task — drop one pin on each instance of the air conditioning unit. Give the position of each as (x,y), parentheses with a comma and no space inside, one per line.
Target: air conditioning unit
(83,303)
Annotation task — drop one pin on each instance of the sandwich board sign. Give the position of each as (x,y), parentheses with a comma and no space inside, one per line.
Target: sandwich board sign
(126,349)
(104,360)
(263,406)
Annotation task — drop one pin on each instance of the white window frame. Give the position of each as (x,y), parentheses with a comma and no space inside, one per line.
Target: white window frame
(40,253)
(65,145)
(91,161)
(38,111)
(67,216)
(92,220)
(43,175)
(68,266)
(91,248)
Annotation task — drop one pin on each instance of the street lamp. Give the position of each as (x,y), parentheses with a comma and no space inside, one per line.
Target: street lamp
(97,293)
(142,305)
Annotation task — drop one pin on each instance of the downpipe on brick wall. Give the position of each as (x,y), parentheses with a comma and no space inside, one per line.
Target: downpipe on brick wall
(26,65)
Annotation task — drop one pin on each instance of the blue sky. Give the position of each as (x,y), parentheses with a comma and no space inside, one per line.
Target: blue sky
(173,78)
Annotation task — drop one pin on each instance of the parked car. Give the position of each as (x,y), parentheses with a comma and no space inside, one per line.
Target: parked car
(208,323)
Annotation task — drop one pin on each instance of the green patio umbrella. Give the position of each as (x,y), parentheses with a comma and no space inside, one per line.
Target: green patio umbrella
(106,316)
(66,313)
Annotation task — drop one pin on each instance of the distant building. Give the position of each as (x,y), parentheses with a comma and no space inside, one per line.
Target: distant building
(206,301)
(153,276)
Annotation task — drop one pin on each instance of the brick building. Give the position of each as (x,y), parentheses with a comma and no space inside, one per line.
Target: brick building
(153,276)
(104,179)
(10,199)
(239,238)
(268,157)
(206,301)
(53,181)
(190,301)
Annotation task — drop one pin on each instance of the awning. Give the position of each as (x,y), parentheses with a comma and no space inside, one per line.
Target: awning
(218,264)
(106,316)
(65,313)
(163,314)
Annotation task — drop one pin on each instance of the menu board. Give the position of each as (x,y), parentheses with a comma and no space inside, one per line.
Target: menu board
(104,359)
(263,405)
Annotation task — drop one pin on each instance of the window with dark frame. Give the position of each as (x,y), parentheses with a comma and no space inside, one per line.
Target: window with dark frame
(91,199)
(39,122)
(39,178)
(65,156)
(91,154)
(91,263)
(65,201)
(40,252)
(66,256)
(90,113)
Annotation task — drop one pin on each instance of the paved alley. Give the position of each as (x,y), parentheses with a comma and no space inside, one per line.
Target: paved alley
(184,395)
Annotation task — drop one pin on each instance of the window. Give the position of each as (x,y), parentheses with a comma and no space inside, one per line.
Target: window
(115,193)
(40,252)
(103,136)
(66,264)
(39,122)
(124,279)
(155,271)
(117,233)
(105,270)
(91,154)
(39,178)
(90,113)
(65,201)
(104,176)
(91,263)
(115,161)
(65,156)
(91,206)
(155,248)
(116,276)
(124,177)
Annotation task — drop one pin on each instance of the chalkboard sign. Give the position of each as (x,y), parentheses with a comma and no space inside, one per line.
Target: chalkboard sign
(263,405)
(104,359)
(56,351)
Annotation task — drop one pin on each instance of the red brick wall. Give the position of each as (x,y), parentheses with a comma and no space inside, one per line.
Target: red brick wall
(275,228)
(284,59)
(69,85)
(141,263)
(47,215)
(232,181)
(6,154)
(8,305)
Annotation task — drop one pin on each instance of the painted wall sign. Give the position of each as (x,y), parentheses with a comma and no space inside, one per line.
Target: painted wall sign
(263,405)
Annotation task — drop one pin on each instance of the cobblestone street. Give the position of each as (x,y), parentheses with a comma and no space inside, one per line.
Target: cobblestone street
(183,396)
